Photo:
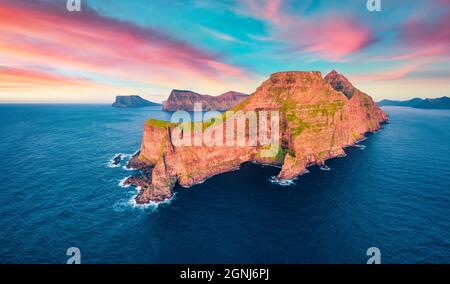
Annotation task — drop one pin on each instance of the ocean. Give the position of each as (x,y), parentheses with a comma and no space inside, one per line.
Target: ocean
(59,190)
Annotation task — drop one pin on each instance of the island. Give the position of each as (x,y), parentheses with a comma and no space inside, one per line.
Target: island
(132,102)
(438,103)
(319,117)
(185,100)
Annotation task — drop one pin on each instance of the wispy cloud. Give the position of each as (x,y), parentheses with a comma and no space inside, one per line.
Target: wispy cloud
(221,36)
(42,33)
(214,46)
(16,77)
(388,75)
(426,37)
(331,37)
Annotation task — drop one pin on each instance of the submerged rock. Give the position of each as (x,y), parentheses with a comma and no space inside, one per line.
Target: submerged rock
(117,159)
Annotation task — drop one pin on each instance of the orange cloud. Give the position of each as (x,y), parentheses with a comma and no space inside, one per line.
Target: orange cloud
(25,79)
(43,34)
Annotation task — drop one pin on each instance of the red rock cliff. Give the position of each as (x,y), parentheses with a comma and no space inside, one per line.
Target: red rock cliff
(185,100)
(317,122)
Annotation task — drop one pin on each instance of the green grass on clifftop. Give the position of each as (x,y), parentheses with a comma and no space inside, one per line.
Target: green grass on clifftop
(159,123)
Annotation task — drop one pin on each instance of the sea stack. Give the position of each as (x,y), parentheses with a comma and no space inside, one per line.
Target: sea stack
(318,118)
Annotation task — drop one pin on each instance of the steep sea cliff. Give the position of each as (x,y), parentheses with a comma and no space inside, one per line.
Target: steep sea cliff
(186,100)
(318,118)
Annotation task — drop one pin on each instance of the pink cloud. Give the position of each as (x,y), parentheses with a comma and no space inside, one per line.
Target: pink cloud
(388,75)
(422,41)
(332,37)
(46,34)
(26,79)
(424,37)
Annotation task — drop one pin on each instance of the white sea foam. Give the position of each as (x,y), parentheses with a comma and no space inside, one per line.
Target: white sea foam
(122,158)
(362,147)
(122,182)
(282,182)
(128,158)
(362,139)
(325,168)
(111,164)
(128,169)
(200,182)
(151,205)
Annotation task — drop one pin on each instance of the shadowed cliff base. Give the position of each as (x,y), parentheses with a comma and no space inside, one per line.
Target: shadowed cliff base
(318,118)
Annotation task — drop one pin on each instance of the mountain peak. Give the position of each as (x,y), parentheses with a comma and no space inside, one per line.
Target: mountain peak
(333,73)
(341,84)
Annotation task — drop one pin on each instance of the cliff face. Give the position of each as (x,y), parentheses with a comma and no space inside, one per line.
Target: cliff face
(340,83)
(316,122)
(132,102)
(358,100)
(185,100)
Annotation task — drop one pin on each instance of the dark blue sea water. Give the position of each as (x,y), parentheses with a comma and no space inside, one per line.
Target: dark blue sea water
(57,191)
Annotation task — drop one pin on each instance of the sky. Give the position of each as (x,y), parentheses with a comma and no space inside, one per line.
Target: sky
(149,47)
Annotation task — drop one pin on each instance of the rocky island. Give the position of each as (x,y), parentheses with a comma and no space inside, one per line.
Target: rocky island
(132,102)
(318,118)
(437,103)
(185,100)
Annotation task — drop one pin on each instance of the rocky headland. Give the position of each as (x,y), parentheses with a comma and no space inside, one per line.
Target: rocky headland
(185,100)
(318,118)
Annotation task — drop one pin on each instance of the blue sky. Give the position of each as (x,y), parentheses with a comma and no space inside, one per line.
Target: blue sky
(149,47)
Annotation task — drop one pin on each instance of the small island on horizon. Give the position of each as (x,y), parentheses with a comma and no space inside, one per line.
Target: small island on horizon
(436,103)
(185,100)
(132,102)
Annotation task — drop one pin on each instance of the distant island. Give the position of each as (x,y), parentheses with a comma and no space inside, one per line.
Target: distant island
(438,103)
(132,102)
(318,117)
(185,100)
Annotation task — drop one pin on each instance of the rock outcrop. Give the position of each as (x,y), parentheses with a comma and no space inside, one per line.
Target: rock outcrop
(185,100)
(318,118)
(116,160)
(132,102)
